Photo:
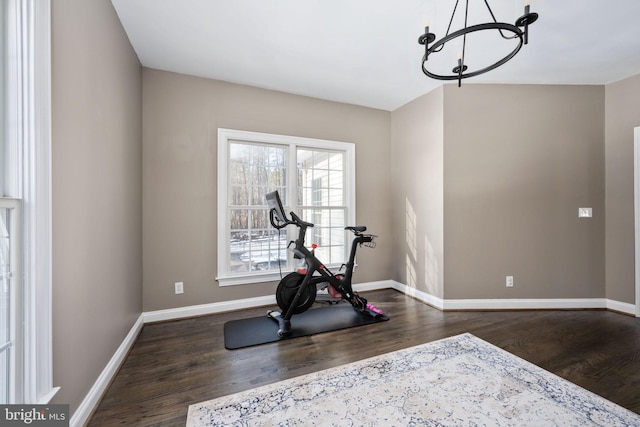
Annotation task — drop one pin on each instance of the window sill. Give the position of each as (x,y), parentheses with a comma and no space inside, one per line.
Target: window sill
(251,278)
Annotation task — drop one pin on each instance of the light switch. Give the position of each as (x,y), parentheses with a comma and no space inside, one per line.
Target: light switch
(585,212)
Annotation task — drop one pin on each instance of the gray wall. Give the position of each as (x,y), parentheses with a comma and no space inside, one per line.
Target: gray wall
(181,116)
(518,163)
(622,111)
(495,175)
(96,190)
(417,182)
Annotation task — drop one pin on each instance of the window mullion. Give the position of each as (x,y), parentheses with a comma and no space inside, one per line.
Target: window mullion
(292,193)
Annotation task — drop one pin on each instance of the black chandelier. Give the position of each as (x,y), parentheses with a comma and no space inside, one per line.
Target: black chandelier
(461,71)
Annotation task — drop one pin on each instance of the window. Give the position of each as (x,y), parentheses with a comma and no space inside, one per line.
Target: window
(3,94)
(25,209)
(9,281)
(7,240)
(315,178)
(254,170)
(321,200)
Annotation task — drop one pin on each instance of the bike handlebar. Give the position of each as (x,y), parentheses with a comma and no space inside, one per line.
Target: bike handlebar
(367,239)
(299,222)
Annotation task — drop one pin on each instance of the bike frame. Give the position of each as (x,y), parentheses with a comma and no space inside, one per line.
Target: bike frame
(279,220)
(343,286)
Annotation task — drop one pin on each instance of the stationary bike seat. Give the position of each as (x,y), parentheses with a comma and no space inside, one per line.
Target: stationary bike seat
(357,228)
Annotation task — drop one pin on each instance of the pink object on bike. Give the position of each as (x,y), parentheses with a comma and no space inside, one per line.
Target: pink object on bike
(374,309)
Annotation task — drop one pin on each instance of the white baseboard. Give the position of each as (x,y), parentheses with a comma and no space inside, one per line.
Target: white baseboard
(622,307)
(540,304)
(439,303)
(419,295)
(91,400)
(203,309)
(515,304)
(524,304)
(373,286)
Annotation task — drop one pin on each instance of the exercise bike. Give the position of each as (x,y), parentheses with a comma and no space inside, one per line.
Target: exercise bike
(297,291)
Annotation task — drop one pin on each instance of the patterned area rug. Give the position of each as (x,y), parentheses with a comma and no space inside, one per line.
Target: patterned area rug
(456,381)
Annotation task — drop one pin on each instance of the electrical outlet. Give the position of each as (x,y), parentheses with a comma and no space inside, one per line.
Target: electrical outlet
(509,281)
(179,288)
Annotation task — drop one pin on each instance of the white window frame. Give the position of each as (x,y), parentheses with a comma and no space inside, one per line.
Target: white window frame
(28,178)
(15,358)
(293,142)
(3,89)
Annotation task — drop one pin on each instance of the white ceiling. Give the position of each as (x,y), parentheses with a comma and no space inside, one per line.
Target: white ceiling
(366,52)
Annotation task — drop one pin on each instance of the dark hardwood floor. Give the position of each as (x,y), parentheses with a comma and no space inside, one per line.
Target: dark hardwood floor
(175,364)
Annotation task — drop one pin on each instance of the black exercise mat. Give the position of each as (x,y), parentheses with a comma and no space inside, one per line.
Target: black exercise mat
(262,330)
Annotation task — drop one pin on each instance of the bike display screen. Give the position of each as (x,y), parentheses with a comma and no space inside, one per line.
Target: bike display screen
(275,206)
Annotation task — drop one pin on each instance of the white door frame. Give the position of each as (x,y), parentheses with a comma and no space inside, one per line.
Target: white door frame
(636,180)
